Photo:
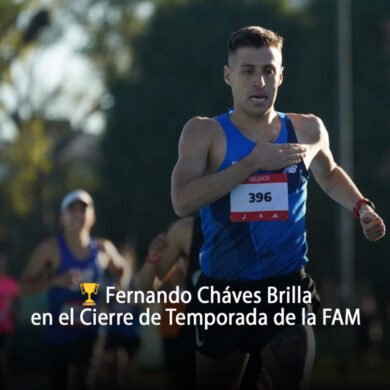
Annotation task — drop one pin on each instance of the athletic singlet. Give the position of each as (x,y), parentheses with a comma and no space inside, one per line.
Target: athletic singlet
(62,299)
(261,249)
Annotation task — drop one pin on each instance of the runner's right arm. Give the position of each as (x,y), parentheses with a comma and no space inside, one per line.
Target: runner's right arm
(166,250)
(148,272)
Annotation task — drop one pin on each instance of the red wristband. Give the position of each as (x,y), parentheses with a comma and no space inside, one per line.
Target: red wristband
(153,260)
(359,204)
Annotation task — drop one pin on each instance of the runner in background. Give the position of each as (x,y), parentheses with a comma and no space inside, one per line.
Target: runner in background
(179,249)
(57,266)
(115,365)
(173,260)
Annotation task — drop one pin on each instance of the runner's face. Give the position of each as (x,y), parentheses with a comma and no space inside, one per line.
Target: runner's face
(77,217)
(254,76)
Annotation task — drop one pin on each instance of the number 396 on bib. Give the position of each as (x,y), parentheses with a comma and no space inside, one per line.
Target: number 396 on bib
(260,198)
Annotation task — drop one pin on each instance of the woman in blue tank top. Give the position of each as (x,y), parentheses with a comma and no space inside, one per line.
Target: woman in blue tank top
(65,267)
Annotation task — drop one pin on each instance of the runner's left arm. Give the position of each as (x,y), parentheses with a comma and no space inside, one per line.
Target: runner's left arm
(117,265)
(339,185)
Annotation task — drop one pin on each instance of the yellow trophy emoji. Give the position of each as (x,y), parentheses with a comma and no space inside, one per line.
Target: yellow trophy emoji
(89,288)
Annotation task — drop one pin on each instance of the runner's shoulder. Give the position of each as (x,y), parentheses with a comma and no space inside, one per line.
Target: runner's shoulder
(104,245)
(181,231)
(182,223)
(48,250)
(203,128)
(308,126)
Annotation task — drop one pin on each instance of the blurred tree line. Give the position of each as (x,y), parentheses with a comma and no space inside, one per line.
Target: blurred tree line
(45,150)
(158,72)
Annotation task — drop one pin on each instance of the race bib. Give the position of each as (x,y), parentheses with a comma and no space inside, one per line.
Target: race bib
(260,198)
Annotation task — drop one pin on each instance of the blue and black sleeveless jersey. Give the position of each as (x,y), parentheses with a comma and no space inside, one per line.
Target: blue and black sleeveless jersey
(62,299)
(261,249)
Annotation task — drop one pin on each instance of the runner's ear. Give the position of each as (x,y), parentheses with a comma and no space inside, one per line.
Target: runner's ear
(227,74)
(281,76)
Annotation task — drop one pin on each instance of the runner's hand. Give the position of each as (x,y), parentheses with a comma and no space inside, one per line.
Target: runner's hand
(270,157)
(69,279)
(158,244)
(372,224)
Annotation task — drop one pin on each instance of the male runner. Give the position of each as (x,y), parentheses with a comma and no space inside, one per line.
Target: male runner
(246,171)
(168,254)
(182,241)
(173,260)
(58,265)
